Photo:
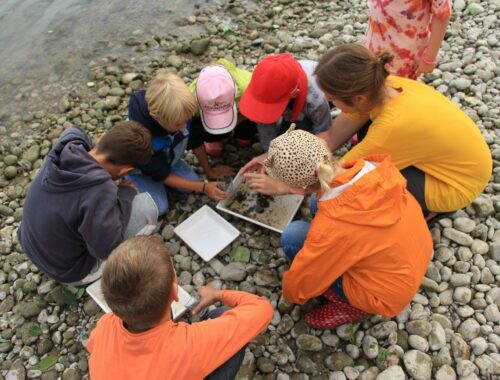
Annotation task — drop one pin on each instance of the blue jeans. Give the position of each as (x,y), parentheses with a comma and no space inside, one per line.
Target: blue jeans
(293,238)
(229,369)
(156,189)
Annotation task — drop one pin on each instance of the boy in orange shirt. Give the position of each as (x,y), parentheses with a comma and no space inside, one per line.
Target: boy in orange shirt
(140,339)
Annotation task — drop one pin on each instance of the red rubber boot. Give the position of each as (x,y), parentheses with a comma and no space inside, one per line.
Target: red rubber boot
(334,313)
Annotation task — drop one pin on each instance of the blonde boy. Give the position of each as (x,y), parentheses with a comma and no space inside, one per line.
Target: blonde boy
(165,108)
(138,340)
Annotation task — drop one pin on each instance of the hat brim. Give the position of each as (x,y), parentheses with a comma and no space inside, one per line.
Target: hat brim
(221,123)
(259,112)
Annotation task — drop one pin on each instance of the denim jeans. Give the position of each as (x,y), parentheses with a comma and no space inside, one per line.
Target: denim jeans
(156,189)
(230,368)
(293,238)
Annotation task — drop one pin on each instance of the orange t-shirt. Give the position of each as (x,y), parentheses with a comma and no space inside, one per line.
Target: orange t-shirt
(176,350)
(373,235)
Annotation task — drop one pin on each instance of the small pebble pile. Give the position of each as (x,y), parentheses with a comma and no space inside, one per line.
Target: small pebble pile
(450,331)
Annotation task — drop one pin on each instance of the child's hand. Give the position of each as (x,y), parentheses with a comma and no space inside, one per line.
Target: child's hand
(220,171)
(208,296)
(255,163)
(423,68)
(264,184)
(213,191)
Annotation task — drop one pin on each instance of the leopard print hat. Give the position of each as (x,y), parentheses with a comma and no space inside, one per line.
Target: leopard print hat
(294,156)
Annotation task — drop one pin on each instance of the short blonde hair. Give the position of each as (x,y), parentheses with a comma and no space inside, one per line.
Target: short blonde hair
(170,99)
(137,281)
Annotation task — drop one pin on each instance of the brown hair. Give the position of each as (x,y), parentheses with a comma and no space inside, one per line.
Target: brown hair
(170,99)
(352,69)
(137,280)
(127,143)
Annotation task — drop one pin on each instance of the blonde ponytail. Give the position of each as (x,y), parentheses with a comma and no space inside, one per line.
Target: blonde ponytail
(325,175)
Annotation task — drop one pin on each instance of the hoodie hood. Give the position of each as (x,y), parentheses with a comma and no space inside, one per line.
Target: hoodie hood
(376,199)
(69,166)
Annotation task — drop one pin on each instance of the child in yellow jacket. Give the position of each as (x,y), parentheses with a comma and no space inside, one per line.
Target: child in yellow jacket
(368,246)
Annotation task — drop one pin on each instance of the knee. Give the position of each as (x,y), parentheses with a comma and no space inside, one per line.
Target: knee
(293,238)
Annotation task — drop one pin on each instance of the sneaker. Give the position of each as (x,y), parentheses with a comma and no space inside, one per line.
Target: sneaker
(240,143)
(215,148)
(333,314)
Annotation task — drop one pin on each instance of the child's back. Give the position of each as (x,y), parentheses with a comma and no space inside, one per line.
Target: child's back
(176,350)
(144,343)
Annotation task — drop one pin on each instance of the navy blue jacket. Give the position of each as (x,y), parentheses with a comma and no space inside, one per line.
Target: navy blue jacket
(168,148)
(73,213)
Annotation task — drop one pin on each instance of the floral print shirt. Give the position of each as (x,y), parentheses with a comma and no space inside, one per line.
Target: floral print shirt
(403,28)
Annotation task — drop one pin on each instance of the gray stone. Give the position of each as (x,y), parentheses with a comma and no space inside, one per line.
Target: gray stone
(475,9)
(28,309)
(233,272)
(168,232)
(460,279)
(32,153)
(266,277)
(446,372)
(370,347)
(418,365)
(465,225)
(437,337)
(469,329)
(338,360)
(495,250)
(479,247)
(457,236)
(462,294)
(383,330)
(479,345)
(419,327)
(10,172)
(306,365)
(265,365)
(308,342)
(483,206)
(491,313)
(394,372)
(198,46)
(241,254)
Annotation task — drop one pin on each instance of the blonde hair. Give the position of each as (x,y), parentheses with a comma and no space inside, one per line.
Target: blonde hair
(170,99)
(325,173)
(137,280)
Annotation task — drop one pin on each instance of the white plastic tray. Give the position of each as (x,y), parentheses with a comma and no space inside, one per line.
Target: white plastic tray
(178,308)
(206,232)
(280,213)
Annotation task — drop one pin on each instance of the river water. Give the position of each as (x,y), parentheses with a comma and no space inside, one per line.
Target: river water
(47,42)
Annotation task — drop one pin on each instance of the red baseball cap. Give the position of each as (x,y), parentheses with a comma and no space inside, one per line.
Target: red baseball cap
(275,80)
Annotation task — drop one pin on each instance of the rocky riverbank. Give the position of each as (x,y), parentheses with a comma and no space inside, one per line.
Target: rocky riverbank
(450,331)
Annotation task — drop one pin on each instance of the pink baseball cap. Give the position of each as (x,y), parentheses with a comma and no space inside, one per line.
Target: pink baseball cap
(216,93)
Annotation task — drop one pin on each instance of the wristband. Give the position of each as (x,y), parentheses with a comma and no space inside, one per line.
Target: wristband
(204,185)
(426,61)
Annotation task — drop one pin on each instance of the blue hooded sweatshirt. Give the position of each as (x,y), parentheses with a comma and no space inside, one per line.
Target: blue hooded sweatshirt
(73,213)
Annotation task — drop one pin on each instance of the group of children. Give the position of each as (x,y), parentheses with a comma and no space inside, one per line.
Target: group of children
(417,157)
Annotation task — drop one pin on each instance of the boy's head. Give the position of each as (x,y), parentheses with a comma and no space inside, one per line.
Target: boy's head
(124,147)
(216,93)
(170,102)
(276,80)
(138,281)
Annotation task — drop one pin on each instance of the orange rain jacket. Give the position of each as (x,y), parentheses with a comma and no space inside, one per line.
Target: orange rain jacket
(373,234)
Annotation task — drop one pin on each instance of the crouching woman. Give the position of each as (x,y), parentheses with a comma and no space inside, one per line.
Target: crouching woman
(368,246)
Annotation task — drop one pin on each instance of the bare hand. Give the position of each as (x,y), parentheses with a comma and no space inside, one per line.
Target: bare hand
(213,191)
(265,184)
(128,183)
(254,164)
(208,296)
(423,68)
(220,171)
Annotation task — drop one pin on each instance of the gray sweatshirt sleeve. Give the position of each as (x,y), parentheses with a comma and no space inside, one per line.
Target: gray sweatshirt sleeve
(104,219)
